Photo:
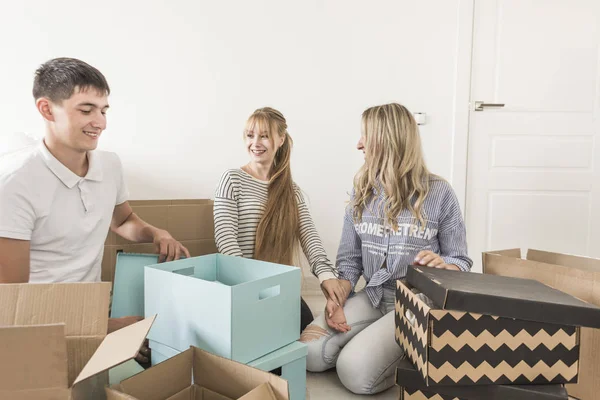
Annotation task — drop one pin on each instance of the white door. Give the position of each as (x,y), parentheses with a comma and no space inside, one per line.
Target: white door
(533,176)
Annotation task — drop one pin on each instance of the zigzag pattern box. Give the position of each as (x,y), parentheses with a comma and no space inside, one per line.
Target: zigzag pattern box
(413,387)
(485,329)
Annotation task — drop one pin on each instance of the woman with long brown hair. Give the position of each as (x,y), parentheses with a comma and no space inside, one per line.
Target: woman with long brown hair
(261,213)
(399,214)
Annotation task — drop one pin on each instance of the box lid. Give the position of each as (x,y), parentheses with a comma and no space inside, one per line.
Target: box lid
(128,288)
(407,376)
(116,348)
(501,296)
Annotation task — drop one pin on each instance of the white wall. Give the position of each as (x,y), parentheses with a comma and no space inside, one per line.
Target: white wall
(186,74)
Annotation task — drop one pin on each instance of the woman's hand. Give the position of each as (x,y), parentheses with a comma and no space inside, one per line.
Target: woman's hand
(337,290)
(428,258)
(337,319)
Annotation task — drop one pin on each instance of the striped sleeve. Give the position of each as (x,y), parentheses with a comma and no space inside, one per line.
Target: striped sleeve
(226,216)
(452,235)
(349,257)
(311,244)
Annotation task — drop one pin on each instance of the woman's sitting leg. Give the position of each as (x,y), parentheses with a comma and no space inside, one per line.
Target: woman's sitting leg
(325,344)
(367,364)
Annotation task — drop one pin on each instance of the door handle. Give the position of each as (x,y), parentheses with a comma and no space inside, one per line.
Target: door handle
(479,105)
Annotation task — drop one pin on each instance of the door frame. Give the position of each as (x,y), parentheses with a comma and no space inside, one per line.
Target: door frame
(461,102)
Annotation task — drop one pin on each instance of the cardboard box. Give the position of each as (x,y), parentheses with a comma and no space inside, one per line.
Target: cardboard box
(488,329)
(413,387)
(189,221)
(195,374)
(291,359)
(234,307)
(82,307)
(43,359)
(578,276)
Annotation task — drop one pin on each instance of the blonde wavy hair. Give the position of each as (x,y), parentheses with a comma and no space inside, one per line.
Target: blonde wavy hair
(278,232)
(394,163)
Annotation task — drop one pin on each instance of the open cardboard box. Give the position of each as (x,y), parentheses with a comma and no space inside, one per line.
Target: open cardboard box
(188,221)
(81,307)
(36,363)
(575,275)
(198,375)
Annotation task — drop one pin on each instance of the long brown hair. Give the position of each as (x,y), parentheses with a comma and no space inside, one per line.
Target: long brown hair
(394,162)
(278,233)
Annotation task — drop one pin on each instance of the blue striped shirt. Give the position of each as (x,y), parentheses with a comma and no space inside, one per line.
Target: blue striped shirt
(371,248)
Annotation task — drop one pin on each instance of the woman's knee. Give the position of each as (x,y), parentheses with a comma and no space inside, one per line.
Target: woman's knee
(314,337)
(352,373)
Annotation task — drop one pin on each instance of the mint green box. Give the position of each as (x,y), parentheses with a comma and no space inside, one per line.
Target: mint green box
(128,288)
(233,307)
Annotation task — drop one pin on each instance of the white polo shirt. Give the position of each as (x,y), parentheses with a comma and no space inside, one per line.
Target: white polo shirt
(65,217)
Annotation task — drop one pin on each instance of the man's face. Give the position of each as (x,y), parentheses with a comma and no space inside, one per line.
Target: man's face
(80,119)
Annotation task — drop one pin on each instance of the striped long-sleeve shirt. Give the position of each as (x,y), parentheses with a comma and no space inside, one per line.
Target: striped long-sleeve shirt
(368,243)
(240,201)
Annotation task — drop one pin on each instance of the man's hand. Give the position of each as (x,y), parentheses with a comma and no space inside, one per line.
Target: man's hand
(168,248)
(337,319)
(428,258)
(336,290)
(114,324)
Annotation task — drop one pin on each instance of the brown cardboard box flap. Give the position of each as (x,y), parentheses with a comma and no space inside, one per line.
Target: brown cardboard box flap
(33,358)
(578,276)
(115,392)
(231,378)
(263,392)
(228,378)
(183,219)
(82,307)
(196,392)
(502,296)
(45,394)
(163,380)
(116,348)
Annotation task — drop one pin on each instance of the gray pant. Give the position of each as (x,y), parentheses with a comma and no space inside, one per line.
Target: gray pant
(365,357)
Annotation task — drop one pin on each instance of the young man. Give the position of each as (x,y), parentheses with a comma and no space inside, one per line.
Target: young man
(58,201)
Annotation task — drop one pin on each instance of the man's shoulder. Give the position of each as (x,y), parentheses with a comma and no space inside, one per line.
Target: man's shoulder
(26,164)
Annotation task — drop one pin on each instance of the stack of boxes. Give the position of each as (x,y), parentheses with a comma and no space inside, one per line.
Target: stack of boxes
(476,332)
(241,309)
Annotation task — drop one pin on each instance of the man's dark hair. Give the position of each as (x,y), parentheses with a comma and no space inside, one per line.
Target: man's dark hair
(58,78)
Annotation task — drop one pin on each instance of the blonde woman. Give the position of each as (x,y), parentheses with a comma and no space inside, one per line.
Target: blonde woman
(399,214)
(260,212)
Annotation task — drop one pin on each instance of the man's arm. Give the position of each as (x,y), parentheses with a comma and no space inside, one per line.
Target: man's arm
(14,261)
(128,225)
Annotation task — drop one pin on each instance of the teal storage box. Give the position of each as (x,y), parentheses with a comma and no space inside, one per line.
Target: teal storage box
(128,289)
(233,307)
(291,359)
(160,352)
